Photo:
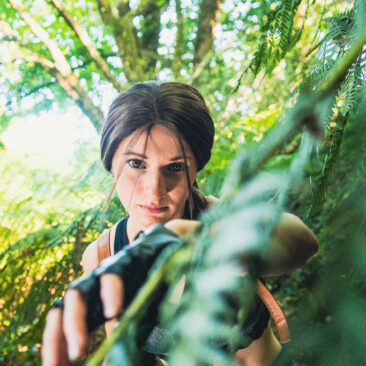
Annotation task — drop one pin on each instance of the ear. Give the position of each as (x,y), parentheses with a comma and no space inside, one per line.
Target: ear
(114,169)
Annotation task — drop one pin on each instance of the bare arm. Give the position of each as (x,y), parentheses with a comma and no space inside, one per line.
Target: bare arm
(292,243)
(90,261)
(90,257)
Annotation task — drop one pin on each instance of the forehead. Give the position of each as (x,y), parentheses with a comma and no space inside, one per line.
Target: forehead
(159,142)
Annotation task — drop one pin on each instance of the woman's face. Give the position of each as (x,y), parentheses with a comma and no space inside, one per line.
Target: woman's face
(151,178)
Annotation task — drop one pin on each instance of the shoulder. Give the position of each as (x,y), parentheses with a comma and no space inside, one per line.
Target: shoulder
(90,257)
(99,249)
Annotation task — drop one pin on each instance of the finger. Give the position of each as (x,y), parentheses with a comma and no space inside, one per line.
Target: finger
(181,226)
(54,342)
(74,324)
(111,293)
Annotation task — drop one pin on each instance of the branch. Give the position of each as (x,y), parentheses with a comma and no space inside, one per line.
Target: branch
(320,191)
(339,70)
(60,60)
(200,67)
(39,87)
(50,83)
(87,42)
(22,52)
(6,29)
(75,91)
(72,88)
(312,49)
(206,24)
(62,70)
(33,57)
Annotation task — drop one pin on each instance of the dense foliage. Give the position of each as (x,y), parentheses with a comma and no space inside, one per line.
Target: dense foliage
(288,100)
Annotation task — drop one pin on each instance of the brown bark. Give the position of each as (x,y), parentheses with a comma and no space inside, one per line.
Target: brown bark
(149,42)
(124,33)
(206,25)
(88,44)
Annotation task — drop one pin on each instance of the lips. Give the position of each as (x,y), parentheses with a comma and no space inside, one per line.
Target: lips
(154,209)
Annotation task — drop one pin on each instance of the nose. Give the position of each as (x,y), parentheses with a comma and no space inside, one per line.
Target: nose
(155,186)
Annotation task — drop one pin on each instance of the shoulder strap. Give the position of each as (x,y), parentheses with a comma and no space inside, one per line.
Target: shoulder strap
(104,249)
(276,313)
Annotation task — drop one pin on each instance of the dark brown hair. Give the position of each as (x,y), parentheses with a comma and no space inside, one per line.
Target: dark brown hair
(177,106)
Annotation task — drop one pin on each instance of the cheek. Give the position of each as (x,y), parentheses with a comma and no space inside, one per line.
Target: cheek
(173,183)
(180,191)
(126,188)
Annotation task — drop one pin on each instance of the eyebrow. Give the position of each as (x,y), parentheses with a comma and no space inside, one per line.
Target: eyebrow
(143,156)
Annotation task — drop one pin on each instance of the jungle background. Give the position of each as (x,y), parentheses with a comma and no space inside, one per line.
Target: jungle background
(257,63)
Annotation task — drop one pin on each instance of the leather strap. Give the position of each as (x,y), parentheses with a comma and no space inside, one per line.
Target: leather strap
(274,309)
(276,313)
(103,246)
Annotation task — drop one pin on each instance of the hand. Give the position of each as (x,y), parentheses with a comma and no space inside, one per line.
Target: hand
(66,333)
(182,227)
(97,297)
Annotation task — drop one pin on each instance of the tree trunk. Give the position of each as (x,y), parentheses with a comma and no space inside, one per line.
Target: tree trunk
(206,25)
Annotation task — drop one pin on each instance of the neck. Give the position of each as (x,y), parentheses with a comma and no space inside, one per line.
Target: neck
(132,230)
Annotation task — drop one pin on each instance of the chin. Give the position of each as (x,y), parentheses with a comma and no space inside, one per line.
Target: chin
(153,221)
(148,220)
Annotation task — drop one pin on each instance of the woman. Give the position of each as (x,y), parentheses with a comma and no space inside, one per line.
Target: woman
(155,139)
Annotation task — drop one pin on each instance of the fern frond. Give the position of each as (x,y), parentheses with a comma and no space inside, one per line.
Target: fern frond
(277,37)
(39,267)
(343,29)
(351,87)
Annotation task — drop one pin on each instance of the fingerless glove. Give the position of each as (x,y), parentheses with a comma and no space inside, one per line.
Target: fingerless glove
(132,265)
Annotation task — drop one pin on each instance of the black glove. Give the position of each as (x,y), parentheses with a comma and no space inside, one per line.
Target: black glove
(132,265)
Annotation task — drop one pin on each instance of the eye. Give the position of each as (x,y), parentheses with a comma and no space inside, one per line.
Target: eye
(136,164)
(176,167)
